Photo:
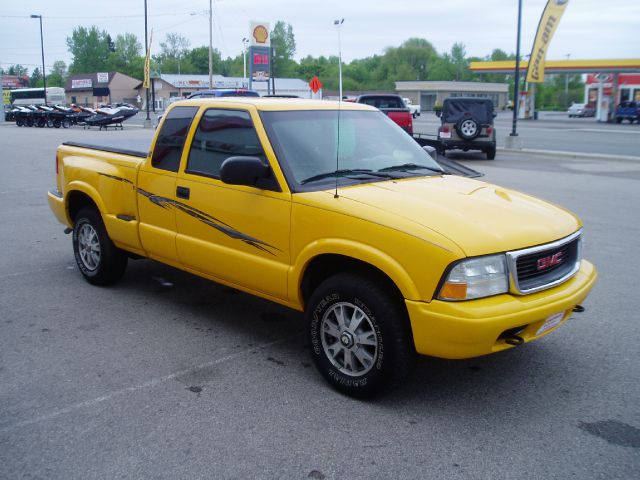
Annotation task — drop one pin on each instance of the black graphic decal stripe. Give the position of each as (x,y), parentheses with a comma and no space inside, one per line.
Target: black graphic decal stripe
(120,179)
(203,217)
(209,220)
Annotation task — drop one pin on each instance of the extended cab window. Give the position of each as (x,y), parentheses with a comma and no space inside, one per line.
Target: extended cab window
(168,149)
(220,135)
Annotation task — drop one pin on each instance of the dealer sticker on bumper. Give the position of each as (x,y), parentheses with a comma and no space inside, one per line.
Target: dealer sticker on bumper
(550,322)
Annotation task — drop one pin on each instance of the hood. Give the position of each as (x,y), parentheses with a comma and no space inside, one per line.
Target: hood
(480,218)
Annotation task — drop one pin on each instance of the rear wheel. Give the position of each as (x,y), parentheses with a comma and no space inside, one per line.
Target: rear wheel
(99,260)
(360,336)
(491,153)
(66,123)
(19,122)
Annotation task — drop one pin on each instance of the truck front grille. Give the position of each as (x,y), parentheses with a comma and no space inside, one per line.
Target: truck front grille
(545,266)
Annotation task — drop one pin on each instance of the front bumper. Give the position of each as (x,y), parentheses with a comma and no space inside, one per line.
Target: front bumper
(472,328)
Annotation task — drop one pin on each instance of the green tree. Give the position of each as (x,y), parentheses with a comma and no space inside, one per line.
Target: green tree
(58,74)
(18,70)
(283,43)
(89,48)
(174,48)
(127,56)
(36,78)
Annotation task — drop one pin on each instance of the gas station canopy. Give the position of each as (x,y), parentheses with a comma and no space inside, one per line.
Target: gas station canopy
(627,65)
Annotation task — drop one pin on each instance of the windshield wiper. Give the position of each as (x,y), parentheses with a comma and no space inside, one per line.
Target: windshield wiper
(345,172)
(409,166)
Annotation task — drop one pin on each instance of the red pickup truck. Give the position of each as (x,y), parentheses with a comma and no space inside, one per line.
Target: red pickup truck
(392,105)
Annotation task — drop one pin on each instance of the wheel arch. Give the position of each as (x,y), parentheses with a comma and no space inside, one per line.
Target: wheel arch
(80,196)
(327,258)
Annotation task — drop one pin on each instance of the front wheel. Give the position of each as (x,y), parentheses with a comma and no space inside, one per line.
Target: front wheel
(99,260)
(360,335)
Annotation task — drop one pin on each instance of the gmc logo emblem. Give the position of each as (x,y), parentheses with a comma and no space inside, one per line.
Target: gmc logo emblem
(549,261)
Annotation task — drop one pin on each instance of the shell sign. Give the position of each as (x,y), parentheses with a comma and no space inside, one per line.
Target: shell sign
(260,34)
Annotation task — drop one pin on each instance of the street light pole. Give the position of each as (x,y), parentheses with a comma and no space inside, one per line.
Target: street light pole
(146,51)
(338,23)
(210,44)
(44,74)
(566,85)
(516,87)
(245,40)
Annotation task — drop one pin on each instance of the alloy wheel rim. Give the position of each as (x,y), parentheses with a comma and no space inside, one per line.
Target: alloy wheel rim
(349,339)
(89,247)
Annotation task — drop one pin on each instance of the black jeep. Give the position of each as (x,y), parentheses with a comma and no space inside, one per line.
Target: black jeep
(467,124)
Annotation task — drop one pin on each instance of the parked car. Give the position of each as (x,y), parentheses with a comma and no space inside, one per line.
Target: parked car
(581,110)
(467,124)
(392,105)
(414,109)
(225,92)
(628,111)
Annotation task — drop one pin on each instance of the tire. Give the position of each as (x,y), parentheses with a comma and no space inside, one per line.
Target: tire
(41,122)
(359,360)
(57,124)
(19,122)
(30,122)
(66,123)
(50,123)
(468,128)
(618,120)
(99,260)
(491,153)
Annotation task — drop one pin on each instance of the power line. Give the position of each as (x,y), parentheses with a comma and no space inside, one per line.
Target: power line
(57,17)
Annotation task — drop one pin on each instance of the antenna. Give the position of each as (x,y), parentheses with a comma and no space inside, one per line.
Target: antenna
(338,24)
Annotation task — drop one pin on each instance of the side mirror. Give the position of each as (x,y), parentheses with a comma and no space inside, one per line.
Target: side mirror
(433,153)
(243,171)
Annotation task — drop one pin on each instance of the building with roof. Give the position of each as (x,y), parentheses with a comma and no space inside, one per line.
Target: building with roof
(101,87)
(430,93)
(167,88)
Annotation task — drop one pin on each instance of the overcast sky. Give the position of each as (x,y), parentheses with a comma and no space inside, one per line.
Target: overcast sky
(589,29)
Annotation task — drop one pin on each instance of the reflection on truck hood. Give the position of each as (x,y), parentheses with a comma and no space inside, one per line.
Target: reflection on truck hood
(480,218)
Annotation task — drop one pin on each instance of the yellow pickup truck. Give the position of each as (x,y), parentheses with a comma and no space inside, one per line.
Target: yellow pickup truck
(333,210)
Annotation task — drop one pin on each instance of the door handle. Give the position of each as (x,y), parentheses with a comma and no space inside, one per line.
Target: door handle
(183,192)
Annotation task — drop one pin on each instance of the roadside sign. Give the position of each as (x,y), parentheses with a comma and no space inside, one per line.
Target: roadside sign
(315,84)
(6,97)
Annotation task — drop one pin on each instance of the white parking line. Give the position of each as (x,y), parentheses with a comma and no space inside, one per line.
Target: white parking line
(134,388)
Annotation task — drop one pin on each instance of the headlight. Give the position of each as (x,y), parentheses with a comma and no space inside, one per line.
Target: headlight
(476,278)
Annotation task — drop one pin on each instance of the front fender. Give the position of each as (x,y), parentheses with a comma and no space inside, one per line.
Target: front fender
(358,251)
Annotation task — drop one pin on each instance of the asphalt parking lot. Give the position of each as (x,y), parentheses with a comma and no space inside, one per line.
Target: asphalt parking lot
(166,375)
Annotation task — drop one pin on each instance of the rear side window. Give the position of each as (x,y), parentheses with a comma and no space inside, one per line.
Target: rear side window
(168,149)
(383,101)
(220,135)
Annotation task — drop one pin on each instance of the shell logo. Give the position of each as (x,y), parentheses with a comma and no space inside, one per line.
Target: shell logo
(260,34)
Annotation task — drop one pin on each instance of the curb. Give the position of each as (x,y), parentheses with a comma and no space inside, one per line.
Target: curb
(561,153)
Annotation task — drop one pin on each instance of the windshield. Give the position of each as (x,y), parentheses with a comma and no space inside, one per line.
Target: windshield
(372,148)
